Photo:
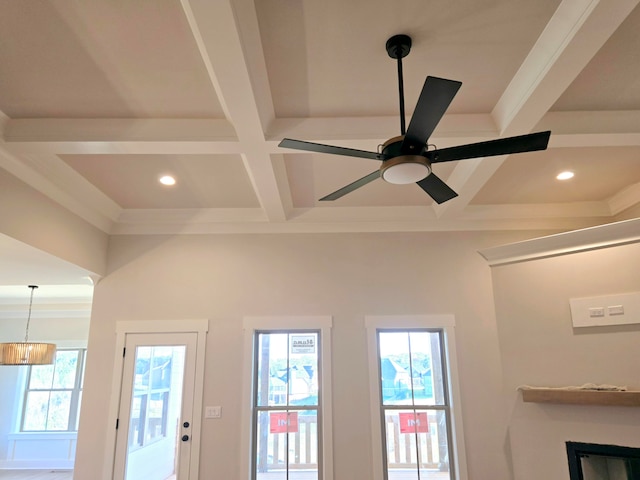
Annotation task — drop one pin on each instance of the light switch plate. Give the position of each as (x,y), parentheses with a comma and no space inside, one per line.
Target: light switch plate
(213,412)
(618,309)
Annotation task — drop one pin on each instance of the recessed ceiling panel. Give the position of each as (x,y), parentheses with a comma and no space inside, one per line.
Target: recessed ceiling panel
(202,181)
(600,173)
(610,81)
(328,58)
(101,59)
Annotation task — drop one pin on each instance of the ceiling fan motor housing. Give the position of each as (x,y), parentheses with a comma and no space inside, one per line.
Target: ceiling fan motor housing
(402,169)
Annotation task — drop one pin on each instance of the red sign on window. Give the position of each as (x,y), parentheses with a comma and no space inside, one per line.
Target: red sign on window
(413,422)
(283,422)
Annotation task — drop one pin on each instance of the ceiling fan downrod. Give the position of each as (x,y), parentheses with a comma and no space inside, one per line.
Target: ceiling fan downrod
(399,47)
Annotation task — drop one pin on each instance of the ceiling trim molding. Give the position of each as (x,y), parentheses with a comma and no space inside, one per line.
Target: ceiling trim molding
(100,212)
(602,236)
(627,198)
(348,219)
(46,311)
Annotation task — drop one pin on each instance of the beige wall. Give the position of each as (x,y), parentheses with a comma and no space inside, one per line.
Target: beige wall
(348,276)
(539,347)
(32,218)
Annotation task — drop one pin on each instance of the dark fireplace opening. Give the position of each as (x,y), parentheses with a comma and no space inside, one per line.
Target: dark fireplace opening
(590,461)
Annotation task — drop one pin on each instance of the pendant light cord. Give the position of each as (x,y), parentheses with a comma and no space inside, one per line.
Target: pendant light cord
(26,336)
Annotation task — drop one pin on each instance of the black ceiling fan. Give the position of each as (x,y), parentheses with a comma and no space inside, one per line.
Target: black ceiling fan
(407,158)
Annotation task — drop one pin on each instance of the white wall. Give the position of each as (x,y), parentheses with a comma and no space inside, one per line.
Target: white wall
(539,347)
(32,218)
(348,276)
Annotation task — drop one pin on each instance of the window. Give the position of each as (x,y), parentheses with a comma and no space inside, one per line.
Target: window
(152,386)
(53,394)
(288,430)
(415,414)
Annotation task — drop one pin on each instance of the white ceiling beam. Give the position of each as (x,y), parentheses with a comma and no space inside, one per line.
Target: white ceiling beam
(575,33)
(242,87)
(121,129)
(55,179)
(117,147)
(213,136)
(450,131)
(63,136)
(593,129)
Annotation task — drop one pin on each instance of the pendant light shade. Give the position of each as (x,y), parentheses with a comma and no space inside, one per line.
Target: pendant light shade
(27,353)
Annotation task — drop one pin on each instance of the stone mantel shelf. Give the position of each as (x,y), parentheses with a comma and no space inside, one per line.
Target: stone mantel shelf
(626,398)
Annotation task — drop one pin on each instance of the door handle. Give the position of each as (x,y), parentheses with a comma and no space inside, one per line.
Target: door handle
(185,438)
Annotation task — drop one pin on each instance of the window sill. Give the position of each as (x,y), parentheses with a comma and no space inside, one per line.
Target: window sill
(42,436)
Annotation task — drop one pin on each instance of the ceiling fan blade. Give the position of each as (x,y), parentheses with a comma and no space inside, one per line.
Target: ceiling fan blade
(437,94)
(437,189)
(352,186)
(502,146)
(320,148)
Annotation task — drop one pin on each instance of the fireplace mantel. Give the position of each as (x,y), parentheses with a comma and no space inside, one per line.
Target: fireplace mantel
(627,398)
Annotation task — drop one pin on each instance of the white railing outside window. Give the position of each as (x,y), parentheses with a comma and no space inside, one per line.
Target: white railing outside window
(417,430)
(287,434)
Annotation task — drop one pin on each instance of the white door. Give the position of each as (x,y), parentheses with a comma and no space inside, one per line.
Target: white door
(153,440)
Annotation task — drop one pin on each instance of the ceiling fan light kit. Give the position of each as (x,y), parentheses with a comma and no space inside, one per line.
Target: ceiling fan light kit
(406,158)
(402,169)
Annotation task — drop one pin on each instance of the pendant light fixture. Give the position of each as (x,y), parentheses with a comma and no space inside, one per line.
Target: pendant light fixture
(27,353)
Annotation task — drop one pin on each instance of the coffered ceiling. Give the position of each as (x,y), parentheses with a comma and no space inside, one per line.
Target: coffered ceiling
(99,99)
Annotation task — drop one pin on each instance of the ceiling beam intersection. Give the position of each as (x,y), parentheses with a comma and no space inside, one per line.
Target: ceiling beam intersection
(573,35)
(241,89)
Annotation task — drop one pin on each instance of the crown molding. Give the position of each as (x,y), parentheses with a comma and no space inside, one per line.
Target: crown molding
(602,236)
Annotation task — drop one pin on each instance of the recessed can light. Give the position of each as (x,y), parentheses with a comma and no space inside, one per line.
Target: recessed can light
(167,180)
(565,175)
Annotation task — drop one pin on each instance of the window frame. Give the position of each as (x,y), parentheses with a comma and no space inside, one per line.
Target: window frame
(401,323)
(74,401)
(298,324)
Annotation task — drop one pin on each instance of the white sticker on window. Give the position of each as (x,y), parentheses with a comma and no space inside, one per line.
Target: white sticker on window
(303,344)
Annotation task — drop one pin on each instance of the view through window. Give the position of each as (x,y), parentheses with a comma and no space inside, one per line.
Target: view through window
(287,403)
(415,409)
(153,382)
(53,394)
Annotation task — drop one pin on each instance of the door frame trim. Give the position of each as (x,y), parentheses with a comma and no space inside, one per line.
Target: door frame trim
(198,326)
